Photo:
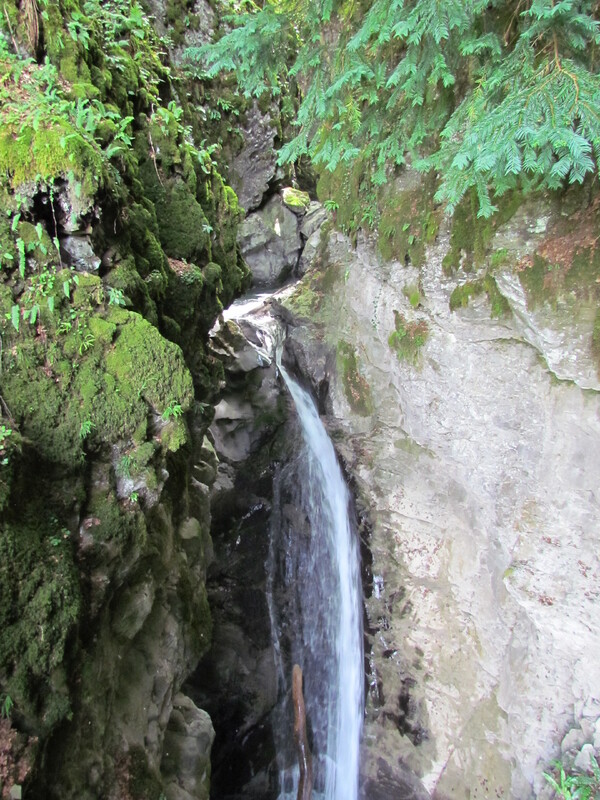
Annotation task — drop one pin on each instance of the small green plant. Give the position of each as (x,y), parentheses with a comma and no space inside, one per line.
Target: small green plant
(5,434)
(86,428)
(172,410)
(116,297)
(331,205)
(408,338)
(575,786)
(124,466)
(134,497)
(86,342)
(6,706)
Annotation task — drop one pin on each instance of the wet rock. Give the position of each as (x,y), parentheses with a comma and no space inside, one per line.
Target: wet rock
(198,31)
(561,331)
(77,252)
(133,608)
(186,751)
(310,231)
(72,209)
(237,352)
(237,682)
(583,761)
(392,783)
(270,243)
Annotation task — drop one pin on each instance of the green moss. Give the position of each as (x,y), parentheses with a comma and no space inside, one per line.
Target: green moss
(111,522)
(115,367)
(144,783)
(407,223)
(38,244)
(499,258)
(499,305)
(405,219)
(412,294)
(471,235)
(304,301)
(295,199)
(182,224)
(30,156)
(101,330)
(408,337)
(143,233)
(583,276)
(38,402)
(356,388)
(349,188)
(174,435)
(145,364)
(462,294)
(40,602)
(537,281)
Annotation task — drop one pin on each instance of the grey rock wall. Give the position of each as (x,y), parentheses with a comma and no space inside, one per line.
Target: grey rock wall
(478,461)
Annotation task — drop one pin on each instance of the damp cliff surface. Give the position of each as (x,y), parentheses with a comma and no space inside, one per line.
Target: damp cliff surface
(472,441)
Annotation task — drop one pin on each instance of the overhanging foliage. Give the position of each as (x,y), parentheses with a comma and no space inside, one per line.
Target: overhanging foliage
(489,94)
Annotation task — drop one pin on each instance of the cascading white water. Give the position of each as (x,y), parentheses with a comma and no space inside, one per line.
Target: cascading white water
(321,619)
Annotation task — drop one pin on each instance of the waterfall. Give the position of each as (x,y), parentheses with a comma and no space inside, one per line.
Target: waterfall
(316,576)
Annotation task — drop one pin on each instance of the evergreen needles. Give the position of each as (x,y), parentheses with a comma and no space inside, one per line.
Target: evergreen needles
(490,95)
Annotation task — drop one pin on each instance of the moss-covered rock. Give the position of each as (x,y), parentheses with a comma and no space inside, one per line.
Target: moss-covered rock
(295,199)
(182,224)
(356,388)
(408,337)
(464,292)
(471,235)
(96,142)
(40,604)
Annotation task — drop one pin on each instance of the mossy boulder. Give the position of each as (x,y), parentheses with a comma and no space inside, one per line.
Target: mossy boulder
(462,294)
(182,224)
(296,200)
(106,376)
(148,366)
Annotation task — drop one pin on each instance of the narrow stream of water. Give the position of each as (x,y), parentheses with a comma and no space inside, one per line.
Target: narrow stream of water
(319,621)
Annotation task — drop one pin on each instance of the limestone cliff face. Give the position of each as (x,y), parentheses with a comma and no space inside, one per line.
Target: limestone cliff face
(472,442)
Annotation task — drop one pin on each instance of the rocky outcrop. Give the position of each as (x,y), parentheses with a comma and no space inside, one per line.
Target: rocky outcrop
(477,468)
(254,167)
(185,24)
(310,231)
(270,243)
(282,239)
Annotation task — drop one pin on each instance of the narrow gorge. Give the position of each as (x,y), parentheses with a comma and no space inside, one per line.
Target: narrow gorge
(298,370)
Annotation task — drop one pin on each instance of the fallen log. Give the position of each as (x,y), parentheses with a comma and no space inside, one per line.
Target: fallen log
(305,784)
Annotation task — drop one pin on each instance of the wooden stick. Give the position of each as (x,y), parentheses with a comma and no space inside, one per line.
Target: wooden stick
(304,755)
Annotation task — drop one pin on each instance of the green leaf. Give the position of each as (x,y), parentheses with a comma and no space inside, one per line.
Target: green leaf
(15,316)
